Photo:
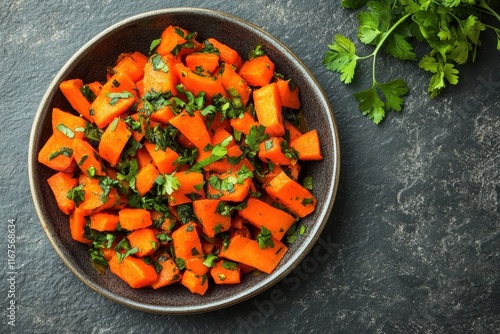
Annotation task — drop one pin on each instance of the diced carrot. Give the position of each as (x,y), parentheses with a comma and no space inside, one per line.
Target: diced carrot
(193,127)
(113,141)
(57,153)
(77,226)
(308,146)
(94,199)
(191,187)
(195,283)
(259,214)
(220,135)
(224,165)
(173,41)
(163,115)
(134,218)
(195,264)
(270,150)
(289,94)
(132,65)
(87,158)
(292,130)
(225,274)
(227,54)
(145,240)
(162,159)
(143,157)
(186,242)
(60,183)
(244,124)
(169,273)
(139,85)
(134,271)
(219,123)
(145,179)
(268,109)
(248,251)
(104,221)
(116,96)
(71,90)
(232,80)
(159,75)
(68,124)
(196,83)
(235,192)
(202,62)
(292,195)
(212,221)
(294,171)
(95,87)
(139,133)
(257,71)
(207,246)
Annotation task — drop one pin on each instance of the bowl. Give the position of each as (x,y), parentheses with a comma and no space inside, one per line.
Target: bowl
(135,33)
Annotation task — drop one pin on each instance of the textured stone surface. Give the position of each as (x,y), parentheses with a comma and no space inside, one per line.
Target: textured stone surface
(413,242)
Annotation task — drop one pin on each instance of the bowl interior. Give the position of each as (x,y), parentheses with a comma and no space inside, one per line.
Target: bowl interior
(90,64)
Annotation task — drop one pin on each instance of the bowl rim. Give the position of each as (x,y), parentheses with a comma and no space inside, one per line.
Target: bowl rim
(265,284)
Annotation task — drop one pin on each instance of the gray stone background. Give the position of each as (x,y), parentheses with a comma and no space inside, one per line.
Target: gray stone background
(413,241)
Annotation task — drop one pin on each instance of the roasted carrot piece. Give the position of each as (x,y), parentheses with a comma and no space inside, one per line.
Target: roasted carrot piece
(87,158)
(94,199)
(294,171)
(244,124)
(268,109)
(308,146)
(159,75)
(232,80)
(174,42)
(191,187)
(202,62)
(227,54)
(134,218)
(220,135)
(95,87)
(145,240)
(162,159)
(228,191)
(294,133)
(113,141)
(116,96)
(211,220)
(145,179)
(134,271)
(132,65)
(219,123)
(196,83)
(72,91)
(195,264)
(104,221)
(248,251)
(226,272)
(186,242)
(77,226)
(270,151)
(289,93)
(224,165)
(143,157)
(193,127)
(162,115)
(259,214)
(57,153)
(60,183)
(68,124)
(195,283)
(292,195)
(257,71)
(169,273)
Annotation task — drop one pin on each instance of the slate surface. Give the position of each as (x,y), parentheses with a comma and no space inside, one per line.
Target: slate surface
(413,242)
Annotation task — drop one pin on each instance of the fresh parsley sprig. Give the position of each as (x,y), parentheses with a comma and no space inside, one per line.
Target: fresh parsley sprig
(451,28)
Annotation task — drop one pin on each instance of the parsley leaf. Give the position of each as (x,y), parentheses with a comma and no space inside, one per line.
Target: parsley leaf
(264,238)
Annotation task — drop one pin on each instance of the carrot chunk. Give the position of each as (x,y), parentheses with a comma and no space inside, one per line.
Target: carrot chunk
(257,71)
(186,242)
(190,188)
(211,220)
(113,141)
(145,240)
(134,271)
(195,283)
(226,272)
(104,221)
(268,109)
(72,91)
(133,219)
(60,183)
(308,146)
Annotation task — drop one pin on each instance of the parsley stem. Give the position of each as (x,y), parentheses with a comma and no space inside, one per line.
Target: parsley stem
(489,10)
(381,42)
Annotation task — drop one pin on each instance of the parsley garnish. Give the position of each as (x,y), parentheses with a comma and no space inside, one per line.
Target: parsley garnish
(114,97)
(264,238)
(450,28)
(76,194)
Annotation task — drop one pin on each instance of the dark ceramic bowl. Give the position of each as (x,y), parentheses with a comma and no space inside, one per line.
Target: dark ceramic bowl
(136,33)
